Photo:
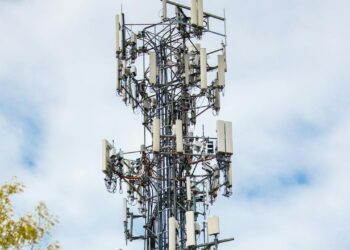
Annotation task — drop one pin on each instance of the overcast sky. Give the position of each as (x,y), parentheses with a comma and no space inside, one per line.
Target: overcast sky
(287,94)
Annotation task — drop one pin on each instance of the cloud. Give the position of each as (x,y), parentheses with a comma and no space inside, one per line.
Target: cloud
(287,95)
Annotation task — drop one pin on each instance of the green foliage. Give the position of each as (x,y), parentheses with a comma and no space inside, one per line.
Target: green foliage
(27,231)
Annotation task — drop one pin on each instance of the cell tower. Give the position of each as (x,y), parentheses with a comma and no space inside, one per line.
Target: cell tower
(165,73)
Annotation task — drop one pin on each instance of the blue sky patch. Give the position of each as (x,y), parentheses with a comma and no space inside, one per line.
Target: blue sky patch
(299,130)
(25,118)
(296,178)
(275,186)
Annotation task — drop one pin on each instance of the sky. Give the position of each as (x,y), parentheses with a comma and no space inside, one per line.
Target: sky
(287,93)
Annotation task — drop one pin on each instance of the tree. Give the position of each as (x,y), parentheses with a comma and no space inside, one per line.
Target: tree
(28,231)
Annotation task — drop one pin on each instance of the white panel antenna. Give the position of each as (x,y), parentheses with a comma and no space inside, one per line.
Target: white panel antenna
(188,188)
(220,130)
(228,137)
(221,70)
(156,135)
(153,67)
(213,225)
(190,229)
(179,139)
(203,62)
(200,22)
(224,139)
(194,12)
(172,233)
(106,148)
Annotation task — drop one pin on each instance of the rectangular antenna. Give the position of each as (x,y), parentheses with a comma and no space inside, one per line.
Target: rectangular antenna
(203,63)
(106,148)
(188,188)
(172,233)
(213,225)
(220,130)
(164,9)
(228,137)
(190,229)
(200,13)
(194,12)
(224,137)
(221,70)
(187,69)
(156,135)
(179,141)
(153,67)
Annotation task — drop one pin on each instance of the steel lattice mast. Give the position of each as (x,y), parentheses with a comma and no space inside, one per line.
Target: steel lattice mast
(164,72)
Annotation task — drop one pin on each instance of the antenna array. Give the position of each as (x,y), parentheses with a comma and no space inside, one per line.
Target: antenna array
(163,71)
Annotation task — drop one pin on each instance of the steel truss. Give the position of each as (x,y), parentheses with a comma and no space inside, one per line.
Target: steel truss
(173,180)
